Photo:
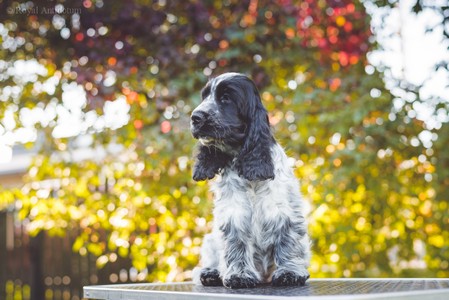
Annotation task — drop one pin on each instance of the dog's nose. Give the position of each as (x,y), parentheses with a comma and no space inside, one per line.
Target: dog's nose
(198,117)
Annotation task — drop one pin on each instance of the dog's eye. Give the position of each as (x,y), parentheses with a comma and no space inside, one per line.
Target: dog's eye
(225,100)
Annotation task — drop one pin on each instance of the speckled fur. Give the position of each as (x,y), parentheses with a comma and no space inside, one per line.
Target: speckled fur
(259,230)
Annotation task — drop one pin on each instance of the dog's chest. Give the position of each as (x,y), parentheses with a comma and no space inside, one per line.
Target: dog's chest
(239,191)
(247,202)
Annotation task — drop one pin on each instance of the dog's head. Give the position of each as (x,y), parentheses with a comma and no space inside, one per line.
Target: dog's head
(232,125)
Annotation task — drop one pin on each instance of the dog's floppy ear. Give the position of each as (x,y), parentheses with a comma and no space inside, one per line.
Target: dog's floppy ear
(209,161)
(254,161)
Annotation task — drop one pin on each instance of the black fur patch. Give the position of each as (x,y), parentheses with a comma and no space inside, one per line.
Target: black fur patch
(288,278)
(240,282)
(209,161)
(254,161)
(210,277)
(205,92)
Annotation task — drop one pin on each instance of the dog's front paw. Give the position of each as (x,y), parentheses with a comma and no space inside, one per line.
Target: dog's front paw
(210,277)
(200,174)
(288,278)
(240,282)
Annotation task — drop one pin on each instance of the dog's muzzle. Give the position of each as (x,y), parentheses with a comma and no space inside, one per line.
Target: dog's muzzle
(198,122)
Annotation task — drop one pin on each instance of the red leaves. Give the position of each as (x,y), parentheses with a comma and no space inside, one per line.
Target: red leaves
(138,124)
(131,96)
(112,61)
(337,28)
(334,84)
(79,37)
(165,127)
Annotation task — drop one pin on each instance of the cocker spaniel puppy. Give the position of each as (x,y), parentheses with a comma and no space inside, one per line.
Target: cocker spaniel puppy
(259,232)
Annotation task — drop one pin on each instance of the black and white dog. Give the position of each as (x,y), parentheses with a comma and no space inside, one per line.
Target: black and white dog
(259,232)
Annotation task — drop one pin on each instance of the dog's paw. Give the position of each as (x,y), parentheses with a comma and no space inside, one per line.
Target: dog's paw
(288,278)
(210,277)
(201,174)
(240,282)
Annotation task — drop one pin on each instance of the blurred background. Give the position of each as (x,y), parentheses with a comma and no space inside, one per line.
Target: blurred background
(96,153)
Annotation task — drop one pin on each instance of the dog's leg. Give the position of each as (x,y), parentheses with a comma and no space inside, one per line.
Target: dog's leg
(291,254)
(233,212)
(209,275)
(280,211)
(238,256)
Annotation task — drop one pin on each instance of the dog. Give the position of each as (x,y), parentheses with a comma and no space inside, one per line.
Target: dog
(259,230)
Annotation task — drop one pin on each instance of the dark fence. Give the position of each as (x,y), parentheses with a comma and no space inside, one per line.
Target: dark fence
(46,268)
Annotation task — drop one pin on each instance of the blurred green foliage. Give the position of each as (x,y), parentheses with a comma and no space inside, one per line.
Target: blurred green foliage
(378,197)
